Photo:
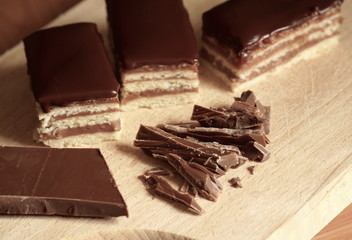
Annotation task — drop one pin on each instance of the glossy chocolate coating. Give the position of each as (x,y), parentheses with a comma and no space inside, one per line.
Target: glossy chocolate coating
(48,181)
(151,32)
(69,64)
(241,24)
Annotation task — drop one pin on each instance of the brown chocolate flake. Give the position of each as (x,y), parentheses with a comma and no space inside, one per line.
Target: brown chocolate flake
(251,169)
(161,188)
(198,176)
(224,136)
(245,113)
(241,160)
(159,171)
(256,152)
(202,151)
(184,187)
(215,157)
(188,188)
(236,182)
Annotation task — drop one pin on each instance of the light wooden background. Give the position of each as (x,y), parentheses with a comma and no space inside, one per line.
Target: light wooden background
(306,182)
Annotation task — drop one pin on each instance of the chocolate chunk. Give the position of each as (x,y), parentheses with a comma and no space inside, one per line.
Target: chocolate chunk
(198,176)
(241,160)
(236,182)
(256,152)
(69,64)
(248,97)
(245,113)
(243,24)
(159,171)
(66,182)
(216,157)
(224,136)
(161,188)
(251,169)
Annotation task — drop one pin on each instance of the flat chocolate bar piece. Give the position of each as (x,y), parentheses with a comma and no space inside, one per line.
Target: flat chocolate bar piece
(156,52)
(66,182)
(74,86)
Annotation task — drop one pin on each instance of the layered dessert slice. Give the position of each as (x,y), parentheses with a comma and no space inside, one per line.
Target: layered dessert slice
(74,86)
(243,39)
(156,52)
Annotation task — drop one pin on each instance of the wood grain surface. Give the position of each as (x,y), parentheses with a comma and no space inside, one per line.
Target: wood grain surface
(339,228)
(306,182)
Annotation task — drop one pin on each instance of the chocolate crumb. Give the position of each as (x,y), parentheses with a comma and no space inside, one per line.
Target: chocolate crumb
(236,182)
(251,169)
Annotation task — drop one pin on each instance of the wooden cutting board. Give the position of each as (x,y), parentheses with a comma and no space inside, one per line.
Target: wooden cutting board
(306,182)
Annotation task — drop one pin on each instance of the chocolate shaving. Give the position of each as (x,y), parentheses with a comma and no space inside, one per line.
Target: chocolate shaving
(202,151)
(188,188)
(159,171)
(251,169)
(184,187)
(256,152)
(224,136)
(236,182)
(161,188)
(216,157)
(245,113)
(241,160)
(198,176)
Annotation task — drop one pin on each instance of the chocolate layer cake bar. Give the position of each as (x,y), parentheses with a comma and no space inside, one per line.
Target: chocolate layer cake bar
(65,182)
(156,52)
(243,39)
(74,86)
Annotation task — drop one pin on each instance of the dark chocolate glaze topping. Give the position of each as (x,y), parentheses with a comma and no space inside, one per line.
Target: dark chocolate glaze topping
(241,24)
(69,64)
(48,181)
(151,32)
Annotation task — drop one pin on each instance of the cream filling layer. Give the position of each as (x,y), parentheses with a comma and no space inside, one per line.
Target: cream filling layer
(80,121)
(159,75)
(160,101)
(45,118)
(170,85)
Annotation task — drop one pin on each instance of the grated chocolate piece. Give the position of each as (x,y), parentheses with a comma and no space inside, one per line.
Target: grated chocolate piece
(241,160)
(224,136)
(159,171)
(245,113)
(215,157)
(161,188)
(256,152)
(198,176)
(188,188)
(236,182)
(251,169)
